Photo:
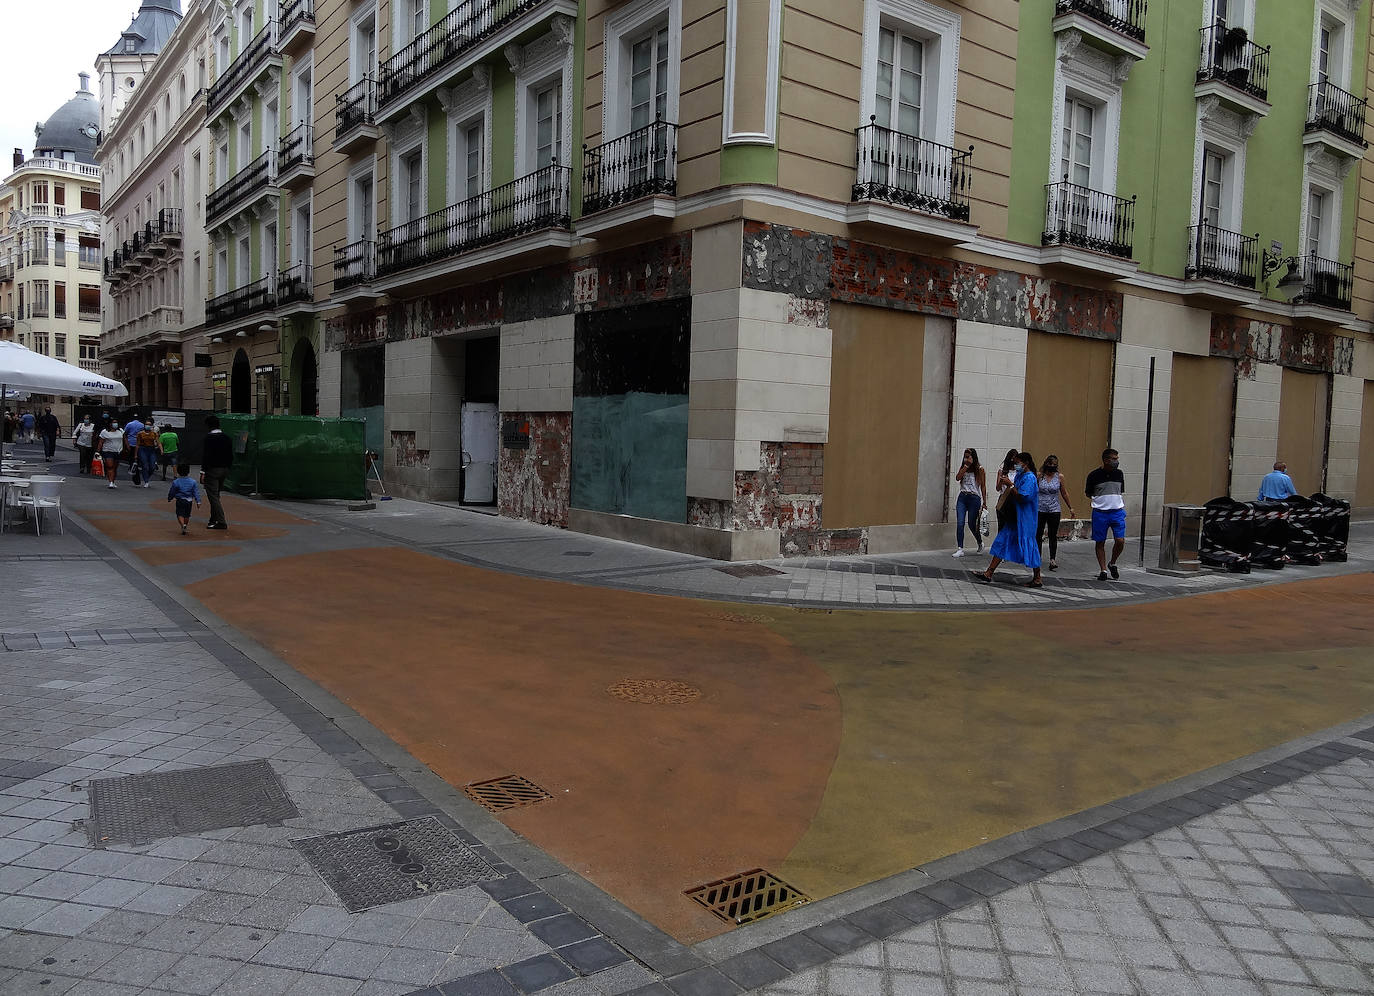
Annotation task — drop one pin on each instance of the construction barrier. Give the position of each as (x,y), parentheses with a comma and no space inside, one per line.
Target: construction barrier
(296,456)
(1269,534)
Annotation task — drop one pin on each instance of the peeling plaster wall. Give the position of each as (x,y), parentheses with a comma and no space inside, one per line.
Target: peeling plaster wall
(1255,439)
(535,483)
(1343,448)
(1253,342)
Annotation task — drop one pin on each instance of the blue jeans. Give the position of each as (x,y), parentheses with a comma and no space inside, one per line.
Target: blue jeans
(969,504)
(147,460)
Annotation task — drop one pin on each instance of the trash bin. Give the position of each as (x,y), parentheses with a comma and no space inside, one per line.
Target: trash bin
(1180,540)
(1332,526)
(1227,535)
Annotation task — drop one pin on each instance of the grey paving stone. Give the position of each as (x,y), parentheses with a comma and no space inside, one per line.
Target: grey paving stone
(752,969)
(563,929)
(592,955)
(796,953)
(702,982)
(491,983)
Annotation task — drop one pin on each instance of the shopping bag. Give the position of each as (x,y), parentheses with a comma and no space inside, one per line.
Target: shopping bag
(983,522)
(97,466)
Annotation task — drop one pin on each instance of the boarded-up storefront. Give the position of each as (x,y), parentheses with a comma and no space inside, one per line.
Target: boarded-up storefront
(1068,403)
(1304,408)
(1202,393)
(875,417)
(1364,490)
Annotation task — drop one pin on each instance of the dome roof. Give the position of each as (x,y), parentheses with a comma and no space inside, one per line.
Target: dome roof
(71,129)
(150,29)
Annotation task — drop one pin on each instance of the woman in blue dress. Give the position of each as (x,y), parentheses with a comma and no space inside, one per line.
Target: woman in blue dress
(1015,540)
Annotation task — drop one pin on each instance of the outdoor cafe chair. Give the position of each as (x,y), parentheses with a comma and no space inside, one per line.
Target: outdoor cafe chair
(44,491)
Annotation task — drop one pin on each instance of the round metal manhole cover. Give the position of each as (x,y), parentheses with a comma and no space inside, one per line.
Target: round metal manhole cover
(654,691)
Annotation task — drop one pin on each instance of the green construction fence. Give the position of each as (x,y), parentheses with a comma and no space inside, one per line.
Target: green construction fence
(297,456)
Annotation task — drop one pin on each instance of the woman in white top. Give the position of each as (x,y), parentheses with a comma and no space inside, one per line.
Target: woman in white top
(973,495)
(111,447)
(84,438)
(1053,497)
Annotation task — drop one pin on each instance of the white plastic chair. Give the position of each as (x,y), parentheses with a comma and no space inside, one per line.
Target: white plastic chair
(44,492)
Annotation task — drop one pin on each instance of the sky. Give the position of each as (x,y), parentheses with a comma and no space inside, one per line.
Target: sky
(39,59)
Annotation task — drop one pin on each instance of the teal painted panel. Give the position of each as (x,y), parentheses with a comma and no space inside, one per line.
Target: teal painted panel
(629,455)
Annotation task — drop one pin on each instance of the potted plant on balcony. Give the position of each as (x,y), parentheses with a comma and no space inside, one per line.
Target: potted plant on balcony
(1232,56)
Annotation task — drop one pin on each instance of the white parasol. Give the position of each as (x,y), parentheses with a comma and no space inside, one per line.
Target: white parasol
(21,369)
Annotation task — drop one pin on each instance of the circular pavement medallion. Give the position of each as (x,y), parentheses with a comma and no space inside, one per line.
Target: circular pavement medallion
(654,691)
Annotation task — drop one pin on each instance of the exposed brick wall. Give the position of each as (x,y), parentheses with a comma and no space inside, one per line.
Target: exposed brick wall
(1250,342)
(801,468)
(535,483)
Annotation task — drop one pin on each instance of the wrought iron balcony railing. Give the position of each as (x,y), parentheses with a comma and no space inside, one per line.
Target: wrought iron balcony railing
(296,12)
(252,179)
(1082,218)
(241,70)
(6,271)
(1325,282)
(295,284)
(1125,16)
(1222,256)
(1229,56)
(242,302)
(355,107)
(640,164)
(911,172)
(169,224)
(1329,108)
(414,66)
(532,203)
(355,264)
(297,148)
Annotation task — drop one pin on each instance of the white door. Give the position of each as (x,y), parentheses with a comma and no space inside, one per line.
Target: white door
(481,435)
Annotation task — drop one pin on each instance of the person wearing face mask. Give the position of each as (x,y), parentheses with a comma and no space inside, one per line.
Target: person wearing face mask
(1006,481)
(973,495)
(1106,488)
(1053,497)
(84,438)
(1015,541)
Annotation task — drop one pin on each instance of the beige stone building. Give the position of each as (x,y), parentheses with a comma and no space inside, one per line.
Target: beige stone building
(746,276)
(50,296)
(154,158)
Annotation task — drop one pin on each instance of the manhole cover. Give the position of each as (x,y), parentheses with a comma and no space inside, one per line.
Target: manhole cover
(748,896)
(748,571)
(137,809)
(387,864)
(507,792)
(654,691)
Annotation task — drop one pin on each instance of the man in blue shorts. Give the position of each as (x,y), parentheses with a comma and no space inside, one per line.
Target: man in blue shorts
(1106,489)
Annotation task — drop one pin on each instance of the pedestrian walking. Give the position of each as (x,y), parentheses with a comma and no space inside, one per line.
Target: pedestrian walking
(148,447)
(973,495)
(26,424)
(10,423)
(217,456)
(1006,481)
(111,448)
(1106,489)
(48,428)
(83,436)
(1015,541)
(1053,498)
(169,444)
(183,492)
(131,445)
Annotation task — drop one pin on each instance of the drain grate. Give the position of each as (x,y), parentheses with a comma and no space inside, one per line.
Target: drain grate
(507,792)
(394,862)
(748,571)
(578,553)
(137,809)
(654,691)
(748,896)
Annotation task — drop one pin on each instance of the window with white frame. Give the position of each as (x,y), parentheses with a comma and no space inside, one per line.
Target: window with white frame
(245,145)
(1080,142)
(245,261)
(222,269)
(412,18)
(543,81)
(245,27)
(547,137)
(302,92)
(361,213)
(412,181)
(1331,44)
(363,45)
(300,228)
(641,79)
(472,146)
(270,254)
(1319,223)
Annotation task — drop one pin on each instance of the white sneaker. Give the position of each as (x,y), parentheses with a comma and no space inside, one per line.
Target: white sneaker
(110,485)
(959,552)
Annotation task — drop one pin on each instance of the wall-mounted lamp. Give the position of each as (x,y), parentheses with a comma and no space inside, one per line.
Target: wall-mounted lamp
(1290,285)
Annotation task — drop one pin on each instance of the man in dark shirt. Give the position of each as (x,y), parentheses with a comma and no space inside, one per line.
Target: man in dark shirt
(1106,488)
(217,457)
(48,428)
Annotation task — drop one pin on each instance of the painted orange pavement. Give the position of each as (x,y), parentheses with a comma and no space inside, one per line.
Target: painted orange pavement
(832,748)
(481,674)
(149,528)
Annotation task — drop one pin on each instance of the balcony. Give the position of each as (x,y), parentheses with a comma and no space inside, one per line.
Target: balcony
(296,289)
(6,322)
(906,182)
(1233,69)
(88,314)
(1221,263)
(1088,229)
(1116,27)
(473,30)
(243,302)
(114,267)
(1327,288)
(355,267)
(255,60)
(297,24)
(630,178)
(84,261)
(245,188)
(296,157)
(169,228)
(129,251)
(355,116)
(534,203)
(6,272)
(1335,119)
(143,244)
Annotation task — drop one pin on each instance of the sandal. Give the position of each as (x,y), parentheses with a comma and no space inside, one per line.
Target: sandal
(980,577)
(1035,584)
